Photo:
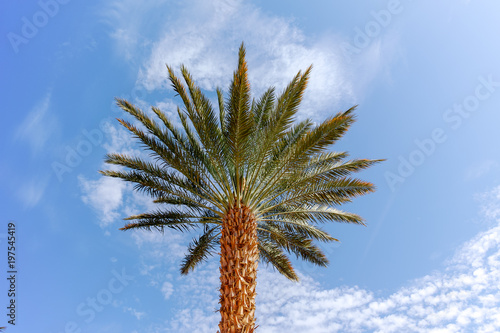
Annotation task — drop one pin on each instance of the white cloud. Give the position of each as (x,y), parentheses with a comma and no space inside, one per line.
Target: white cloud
(137,314)
(489,207)
(119,140)
(205,37)
(39,125)
(463,297)
(192,320)
(207,44)
(480,169)
(125,19)
(104,195)
(112,198)
(167,289)
(167,247)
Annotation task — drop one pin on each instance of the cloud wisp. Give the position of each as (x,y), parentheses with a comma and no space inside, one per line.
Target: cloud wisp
(207,45)
(463,297)
(38,125)
(109,196)
(205,36)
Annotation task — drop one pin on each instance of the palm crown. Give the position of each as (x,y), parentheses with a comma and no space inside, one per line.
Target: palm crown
(243,153)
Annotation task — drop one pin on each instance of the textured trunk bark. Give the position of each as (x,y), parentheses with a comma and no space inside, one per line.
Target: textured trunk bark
(238,271)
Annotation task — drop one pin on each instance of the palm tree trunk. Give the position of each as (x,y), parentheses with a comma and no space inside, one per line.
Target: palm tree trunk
(238,271)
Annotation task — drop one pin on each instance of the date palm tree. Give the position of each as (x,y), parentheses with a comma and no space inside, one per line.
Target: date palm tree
(255,183)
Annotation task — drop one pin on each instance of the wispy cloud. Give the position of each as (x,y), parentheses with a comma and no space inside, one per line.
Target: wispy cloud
(207,44)
(480,169)
(39,125)
(205,37)
(137,314)
(463,297)
(112,198)
(104,195)
(31,192)
(167,289)
(128,22)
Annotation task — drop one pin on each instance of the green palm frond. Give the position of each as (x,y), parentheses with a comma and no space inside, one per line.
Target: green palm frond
(272,254)
(200,249)
(313,214)
(301,227)
(291,242)
(161,219)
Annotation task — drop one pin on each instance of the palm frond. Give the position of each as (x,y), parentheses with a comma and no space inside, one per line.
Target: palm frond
(239,121)
(301,246)
(167,186)
(174,219)
(300,225)
(272,254)
(200,249)
(315,213)
(207,139)
(275,121)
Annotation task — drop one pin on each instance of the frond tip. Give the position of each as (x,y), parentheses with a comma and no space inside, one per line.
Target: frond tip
(200,249)
(162,219)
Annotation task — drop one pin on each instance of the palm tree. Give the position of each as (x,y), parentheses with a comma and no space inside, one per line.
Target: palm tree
(256,183)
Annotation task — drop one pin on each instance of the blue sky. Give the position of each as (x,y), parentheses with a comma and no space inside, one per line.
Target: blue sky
(426,77)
